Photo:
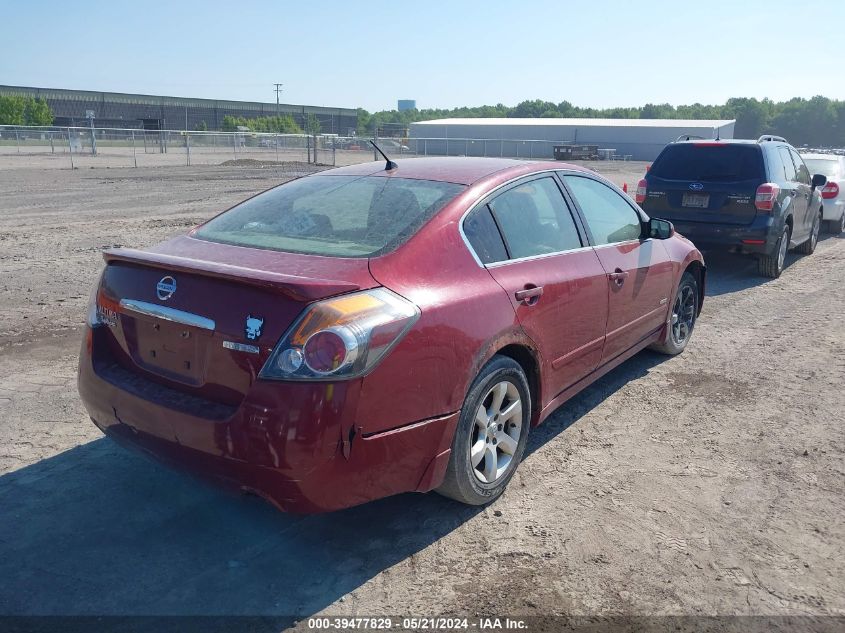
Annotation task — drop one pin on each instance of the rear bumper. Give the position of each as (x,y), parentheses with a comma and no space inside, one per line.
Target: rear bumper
(759,237)
(296,444)
(833,209)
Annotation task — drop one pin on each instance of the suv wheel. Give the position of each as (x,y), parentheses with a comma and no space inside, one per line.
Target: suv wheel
(491,434)
(836,226)
(808,247)
(771,265)
(682,322)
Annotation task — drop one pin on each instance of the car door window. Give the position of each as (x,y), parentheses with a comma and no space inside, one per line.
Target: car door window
(608,215)
(482,233)
(800,168)
(534,219)
(788,166)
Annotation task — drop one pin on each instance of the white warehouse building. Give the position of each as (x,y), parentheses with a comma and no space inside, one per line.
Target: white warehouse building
(637,139)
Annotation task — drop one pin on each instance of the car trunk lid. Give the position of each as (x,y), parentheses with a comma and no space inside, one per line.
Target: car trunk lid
(203,317)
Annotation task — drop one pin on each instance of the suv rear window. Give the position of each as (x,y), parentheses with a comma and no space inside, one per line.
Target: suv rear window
(709,163)
(827,166)
(341,216)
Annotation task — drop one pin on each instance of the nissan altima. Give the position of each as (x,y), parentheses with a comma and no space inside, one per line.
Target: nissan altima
(367,331)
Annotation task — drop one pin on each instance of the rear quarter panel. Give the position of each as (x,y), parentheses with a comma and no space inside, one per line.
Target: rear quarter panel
(465,318)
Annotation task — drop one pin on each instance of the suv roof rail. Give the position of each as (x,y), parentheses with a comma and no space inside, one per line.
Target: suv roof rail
(770,137)
(688,137)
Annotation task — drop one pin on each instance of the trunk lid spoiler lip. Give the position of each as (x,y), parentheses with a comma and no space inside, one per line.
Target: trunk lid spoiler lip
(294,286)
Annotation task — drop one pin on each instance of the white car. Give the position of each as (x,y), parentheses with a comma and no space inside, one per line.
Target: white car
(833,193)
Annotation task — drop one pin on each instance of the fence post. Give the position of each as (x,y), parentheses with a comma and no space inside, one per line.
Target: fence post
(18,140)
(134,157)
(234,150)
(52,148)
(188,149)
(70,148)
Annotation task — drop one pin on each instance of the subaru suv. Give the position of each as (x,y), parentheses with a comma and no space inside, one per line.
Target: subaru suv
(745,196)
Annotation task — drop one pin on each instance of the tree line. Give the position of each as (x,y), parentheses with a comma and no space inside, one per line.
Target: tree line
(818,122)
(16,110)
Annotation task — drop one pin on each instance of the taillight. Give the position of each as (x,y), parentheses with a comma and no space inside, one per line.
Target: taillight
(642,188)
(95,316)
(830,190)
(767,195)
(343,337)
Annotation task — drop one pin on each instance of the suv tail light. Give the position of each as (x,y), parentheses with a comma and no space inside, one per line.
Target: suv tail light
(766,196)
(341,338)
(830,191)
(642,188)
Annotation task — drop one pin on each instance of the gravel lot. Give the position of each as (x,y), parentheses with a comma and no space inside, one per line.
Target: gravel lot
(706,484)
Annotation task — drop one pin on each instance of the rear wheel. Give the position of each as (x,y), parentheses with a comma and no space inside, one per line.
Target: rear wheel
(771,265)
(809,247)
(836,226)
(491,434)
(682,321)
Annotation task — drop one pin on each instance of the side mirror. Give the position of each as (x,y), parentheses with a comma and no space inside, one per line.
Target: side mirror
(660,229)
(819,180)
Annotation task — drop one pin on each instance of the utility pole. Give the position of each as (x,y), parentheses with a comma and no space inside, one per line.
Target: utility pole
(278,92)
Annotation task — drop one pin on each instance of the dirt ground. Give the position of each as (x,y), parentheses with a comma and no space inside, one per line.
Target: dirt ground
(705,484)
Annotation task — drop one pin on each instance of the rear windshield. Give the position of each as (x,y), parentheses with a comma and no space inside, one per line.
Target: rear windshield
(709,163)
(341,216)
(828,167)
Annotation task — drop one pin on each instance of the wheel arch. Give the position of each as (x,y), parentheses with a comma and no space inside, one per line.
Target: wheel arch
(698,270)
(527,359)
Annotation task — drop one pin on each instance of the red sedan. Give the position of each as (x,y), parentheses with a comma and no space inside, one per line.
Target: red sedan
(365,331)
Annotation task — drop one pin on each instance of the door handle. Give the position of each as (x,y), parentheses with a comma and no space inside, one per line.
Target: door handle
(529,295)
(619,276)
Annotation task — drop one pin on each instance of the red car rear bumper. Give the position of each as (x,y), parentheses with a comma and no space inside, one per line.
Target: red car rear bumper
(296,444)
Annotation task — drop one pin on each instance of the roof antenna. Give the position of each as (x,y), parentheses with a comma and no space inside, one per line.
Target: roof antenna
(390,164)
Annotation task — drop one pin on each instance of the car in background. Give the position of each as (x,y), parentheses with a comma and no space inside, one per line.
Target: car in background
(833,192)
(745,196)
(363,332)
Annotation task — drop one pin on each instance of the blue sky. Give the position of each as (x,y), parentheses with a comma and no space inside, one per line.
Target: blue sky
(443,54)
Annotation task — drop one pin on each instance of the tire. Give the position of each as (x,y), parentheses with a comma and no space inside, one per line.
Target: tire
(684,314)
(501,380)
(808,247)
(772,265)
(836,227)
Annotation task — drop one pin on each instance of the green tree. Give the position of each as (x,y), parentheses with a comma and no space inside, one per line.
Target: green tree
(202,126)
(312,124)
(12,110)
(37,112)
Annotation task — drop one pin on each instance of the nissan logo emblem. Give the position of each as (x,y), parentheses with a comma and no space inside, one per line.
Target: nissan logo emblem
(165,288)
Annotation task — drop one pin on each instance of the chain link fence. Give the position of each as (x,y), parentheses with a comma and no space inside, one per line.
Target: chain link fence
(84,147)
(81,147)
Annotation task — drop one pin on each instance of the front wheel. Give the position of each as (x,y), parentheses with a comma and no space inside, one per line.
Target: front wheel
(491,434)
(682,318)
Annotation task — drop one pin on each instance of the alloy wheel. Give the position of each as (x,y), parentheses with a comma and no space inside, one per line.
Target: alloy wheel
(782,248)
(814,237)
(495,435)
(683,315)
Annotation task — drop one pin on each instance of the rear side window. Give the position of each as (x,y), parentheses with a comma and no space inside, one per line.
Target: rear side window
(708,162)
(534,219)
(609,217)
(483,235)
(788,166)
(342,216)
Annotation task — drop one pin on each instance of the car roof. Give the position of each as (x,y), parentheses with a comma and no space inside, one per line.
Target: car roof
(460,170)
(726,141)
